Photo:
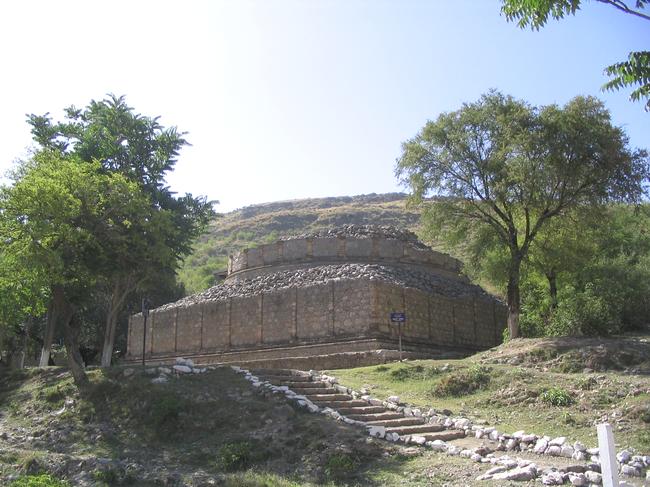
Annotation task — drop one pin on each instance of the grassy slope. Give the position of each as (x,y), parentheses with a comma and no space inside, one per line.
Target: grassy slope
(260,224)
(127,431)
(513,398)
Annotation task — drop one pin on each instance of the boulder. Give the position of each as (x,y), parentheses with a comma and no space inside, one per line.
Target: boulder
(519,474)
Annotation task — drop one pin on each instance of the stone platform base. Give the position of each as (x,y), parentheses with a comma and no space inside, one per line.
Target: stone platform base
(333,355)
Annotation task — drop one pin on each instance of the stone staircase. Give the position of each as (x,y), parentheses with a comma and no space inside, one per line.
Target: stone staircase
(323,395)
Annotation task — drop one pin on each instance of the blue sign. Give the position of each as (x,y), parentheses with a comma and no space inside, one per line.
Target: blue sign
(398,317)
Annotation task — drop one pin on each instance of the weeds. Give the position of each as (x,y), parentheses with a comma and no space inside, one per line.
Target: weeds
(463,382)
(42,480)
(340,466)
(235,456)
(556,396)
(417,372)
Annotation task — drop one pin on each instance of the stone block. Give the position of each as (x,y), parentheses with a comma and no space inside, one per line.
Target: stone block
(390,249)
(245,321)
(189,324)
(294,250)
(314,312)
(216,327)
(278,316)
(358,247)
(254,258)
(326,247)
(164,330)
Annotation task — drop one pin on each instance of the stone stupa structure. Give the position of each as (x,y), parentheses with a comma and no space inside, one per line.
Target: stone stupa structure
(325,301)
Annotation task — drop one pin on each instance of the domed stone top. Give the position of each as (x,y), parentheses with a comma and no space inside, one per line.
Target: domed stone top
(364,244)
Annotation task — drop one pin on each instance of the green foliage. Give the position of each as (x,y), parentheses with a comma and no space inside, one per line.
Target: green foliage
(42,480)
(340,465)
(416,372)
(495,166)
(635,71)
(235,456)
(463,382)
(556,396)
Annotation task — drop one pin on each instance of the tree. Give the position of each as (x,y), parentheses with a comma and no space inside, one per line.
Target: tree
(143,151)
(513,167)
(633,72)
(60,220)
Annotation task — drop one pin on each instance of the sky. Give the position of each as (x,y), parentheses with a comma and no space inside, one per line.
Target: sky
(286,99)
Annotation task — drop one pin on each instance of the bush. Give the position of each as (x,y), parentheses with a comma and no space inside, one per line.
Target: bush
(164,415)
(235,456)
(463,382)
(556,396)
(414,372)
(38,481)
(340,465)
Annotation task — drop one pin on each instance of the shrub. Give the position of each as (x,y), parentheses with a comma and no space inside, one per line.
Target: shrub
(235,456)
(556,396)
(414,372)
(463,382)
(340,465)
(42,480)
(381,368)
(586,383)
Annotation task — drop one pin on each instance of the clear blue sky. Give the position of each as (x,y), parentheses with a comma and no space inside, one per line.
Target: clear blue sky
(303,98)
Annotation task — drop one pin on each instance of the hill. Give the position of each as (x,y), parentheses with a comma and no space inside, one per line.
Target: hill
(129,427)
(265,223)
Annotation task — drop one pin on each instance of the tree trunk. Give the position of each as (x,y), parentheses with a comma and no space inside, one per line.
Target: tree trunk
(71,330)
(551,276)
(513,297)
(118,296)
(50,326)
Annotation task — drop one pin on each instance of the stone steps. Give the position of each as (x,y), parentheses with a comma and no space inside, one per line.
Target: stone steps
(415,429)
(342,404)
(311,391)
(316,398)
(375,417)
(360,410)
(323,395)
(445,435)
(281,379)
(397,422)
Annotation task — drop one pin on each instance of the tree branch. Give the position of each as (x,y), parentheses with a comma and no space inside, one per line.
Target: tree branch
(624,8)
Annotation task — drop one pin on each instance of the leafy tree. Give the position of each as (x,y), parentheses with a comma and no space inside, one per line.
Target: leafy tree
(60,220)
(143,151)
(633,72)
(501,163)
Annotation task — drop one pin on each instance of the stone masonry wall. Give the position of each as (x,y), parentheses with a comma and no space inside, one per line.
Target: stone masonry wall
(346,309)
(295,315)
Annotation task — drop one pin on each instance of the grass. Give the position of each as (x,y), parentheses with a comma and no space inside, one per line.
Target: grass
(513,398)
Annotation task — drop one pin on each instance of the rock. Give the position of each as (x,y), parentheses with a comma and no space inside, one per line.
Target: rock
(520,474)
(495,470)
(578,479)
(581,456)
(593,477)
(630,471)
(392,436)
(453,450)
(184,361)
(518,434)
(182,369)
(160,380)
(528,438)
(476,457)
(478,433)
(559,441)
(624,456)
(418,440)
(393,399)
(553,450)
(128,372)
(511,444)
(577,446)
(164,370)
(540,446)
(408,412)
(376,431)
(494,435)
(462,423)
(566,451)
(553,478)
(438,445)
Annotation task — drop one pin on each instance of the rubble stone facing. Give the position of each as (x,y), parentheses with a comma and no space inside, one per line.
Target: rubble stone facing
(334,286)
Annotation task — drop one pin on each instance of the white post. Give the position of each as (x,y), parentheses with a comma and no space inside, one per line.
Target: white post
(607,450)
